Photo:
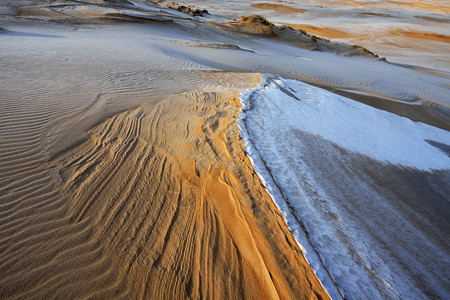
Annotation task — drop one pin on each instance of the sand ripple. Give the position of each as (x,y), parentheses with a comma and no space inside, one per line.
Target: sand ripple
(159,201)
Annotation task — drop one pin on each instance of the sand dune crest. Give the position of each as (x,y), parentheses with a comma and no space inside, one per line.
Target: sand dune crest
(278,7)
(160,201)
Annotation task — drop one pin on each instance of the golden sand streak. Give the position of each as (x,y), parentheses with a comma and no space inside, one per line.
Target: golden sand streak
(160,201)
(423,35)
(278,7)
(422,5)
(321,31)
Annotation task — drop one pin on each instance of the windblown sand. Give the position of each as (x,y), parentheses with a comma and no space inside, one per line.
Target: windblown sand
(278,7)
(423,5)
(370,24)
(321,31)
(122,169)
(159,201)
(423,35)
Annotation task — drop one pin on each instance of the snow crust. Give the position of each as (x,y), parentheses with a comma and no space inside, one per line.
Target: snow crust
(352,125)
(345,242)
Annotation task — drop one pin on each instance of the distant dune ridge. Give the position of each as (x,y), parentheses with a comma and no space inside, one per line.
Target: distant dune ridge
(278,7)
(371,24)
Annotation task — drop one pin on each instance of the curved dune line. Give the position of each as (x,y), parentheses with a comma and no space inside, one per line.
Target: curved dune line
(423,35)
(321,31)
(278,7)
(159,201)
(423,5)
(34,226)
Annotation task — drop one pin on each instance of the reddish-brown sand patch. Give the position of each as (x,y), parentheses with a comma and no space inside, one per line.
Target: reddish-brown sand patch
(422,5)
(423,35)
(278,7)
(321,31)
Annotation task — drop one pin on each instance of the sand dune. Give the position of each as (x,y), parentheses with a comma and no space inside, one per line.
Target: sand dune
(423,35)
(364,23)
(321,31)
(278,7)
(159,201)
(422,5)
(122,169)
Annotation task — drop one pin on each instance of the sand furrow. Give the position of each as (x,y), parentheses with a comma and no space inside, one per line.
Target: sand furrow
(28,206)
(23,132)
(21,154)
(122,170)
(27,184)
(23,121)
(31,143)
(49,205)
(20,142)
(20,171)
(158,201)
(10,201)
(6,164)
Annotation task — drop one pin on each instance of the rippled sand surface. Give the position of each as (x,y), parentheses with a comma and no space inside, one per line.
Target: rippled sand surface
(122,168)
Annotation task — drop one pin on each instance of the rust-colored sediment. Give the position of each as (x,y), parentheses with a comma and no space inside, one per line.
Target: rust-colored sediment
(321,31)
(278,7)
(422,35)
(422,5)
(159,202)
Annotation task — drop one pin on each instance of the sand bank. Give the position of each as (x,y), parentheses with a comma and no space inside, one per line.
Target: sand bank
(364,23)
(321,31)
(278,7)
(422,5)
(122,170)
(423,35)
(159,201)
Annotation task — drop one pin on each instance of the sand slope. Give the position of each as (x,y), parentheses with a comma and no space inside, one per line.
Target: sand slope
(159,201)
(122,173)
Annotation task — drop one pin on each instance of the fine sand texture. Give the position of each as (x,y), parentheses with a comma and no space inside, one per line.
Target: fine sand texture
(159,201)
(278,7)
(374,25)
(321,31)
(122,169)
(423,35)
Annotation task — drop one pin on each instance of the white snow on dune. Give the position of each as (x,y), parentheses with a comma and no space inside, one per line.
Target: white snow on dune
(352,125)
(312,149)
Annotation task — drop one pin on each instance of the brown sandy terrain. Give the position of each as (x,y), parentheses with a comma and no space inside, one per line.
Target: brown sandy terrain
(364,23)
(355,2)
(253,24)
(127,179)
(422,5)
(321,31)
(296,35)
(426,18)
(423,35)
(278,7)
(160,201)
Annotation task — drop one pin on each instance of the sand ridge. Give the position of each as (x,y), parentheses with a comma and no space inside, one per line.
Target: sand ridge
(446,9)
(423,35)
(159,201)
(321,31)
(122,170)
(278,7)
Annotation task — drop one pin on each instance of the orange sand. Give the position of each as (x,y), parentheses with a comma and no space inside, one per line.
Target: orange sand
(321,31)
(423,35)
(159,202)
(278,7)
(422,5)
